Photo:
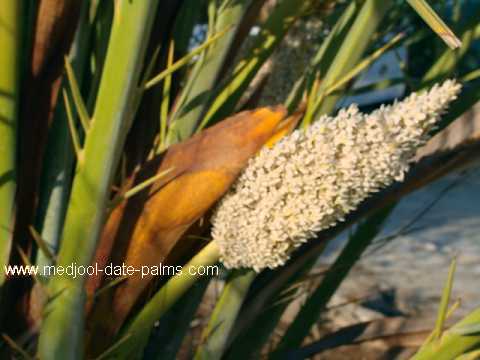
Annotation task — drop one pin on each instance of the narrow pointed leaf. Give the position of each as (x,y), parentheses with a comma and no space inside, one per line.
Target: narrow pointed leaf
(448,60)
(143,185)
(348,55)
(17,348)
(107,354)
(467,330)
(205,75)
(77,96)
(149,69)
(42,245)
(72,127)
(271,33)
(164,107)
(443,309)
(364,64)
(185,60)
(325,54)
(452,343)
(424,10)
(27,263)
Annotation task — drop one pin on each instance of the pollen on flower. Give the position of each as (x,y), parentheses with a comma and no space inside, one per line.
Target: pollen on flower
(311,179)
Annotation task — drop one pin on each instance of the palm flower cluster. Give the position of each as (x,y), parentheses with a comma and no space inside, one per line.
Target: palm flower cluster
(311,179)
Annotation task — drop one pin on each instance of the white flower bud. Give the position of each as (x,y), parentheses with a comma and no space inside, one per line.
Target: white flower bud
(311,179)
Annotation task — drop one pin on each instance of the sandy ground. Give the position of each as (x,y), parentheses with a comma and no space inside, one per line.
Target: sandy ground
(413,267)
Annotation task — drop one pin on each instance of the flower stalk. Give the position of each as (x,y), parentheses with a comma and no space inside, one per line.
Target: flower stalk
(222,320)
(136,333)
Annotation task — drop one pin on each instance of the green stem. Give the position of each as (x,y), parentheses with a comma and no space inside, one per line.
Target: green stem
(226,310)
(62,329)
(10,61)
(136,333)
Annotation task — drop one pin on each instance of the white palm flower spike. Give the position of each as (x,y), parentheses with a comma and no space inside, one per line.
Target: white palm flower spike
(311,179)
